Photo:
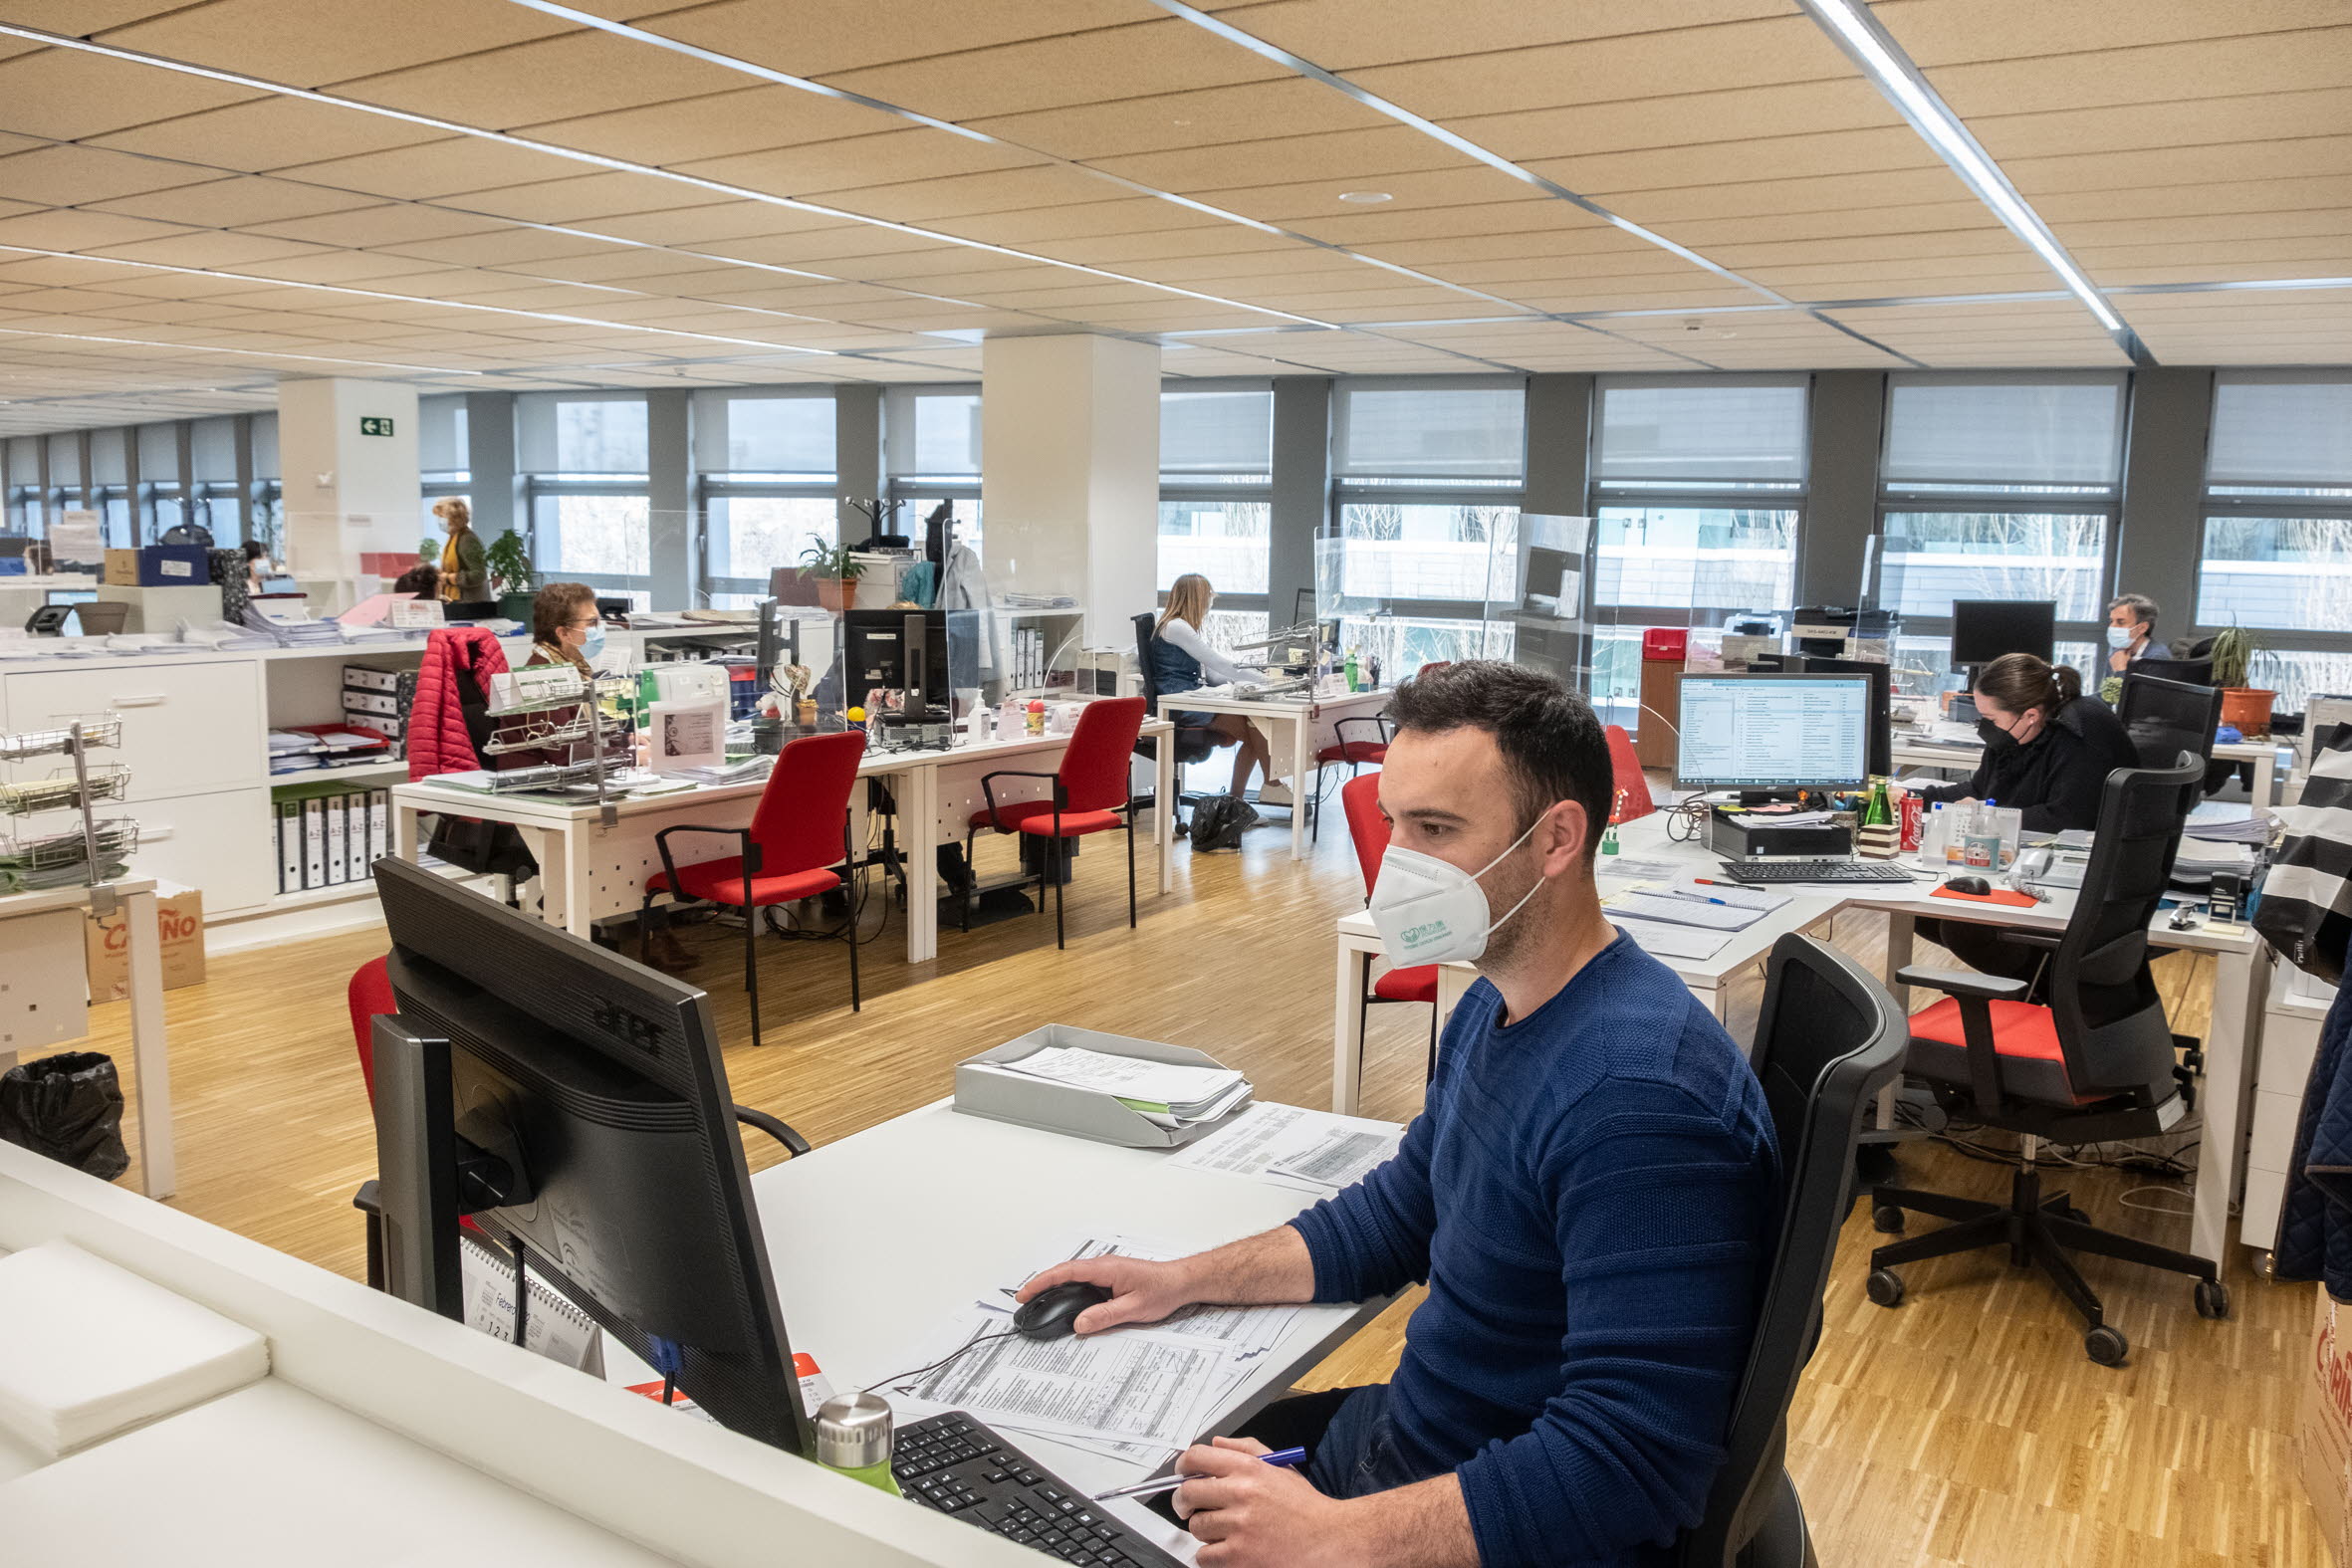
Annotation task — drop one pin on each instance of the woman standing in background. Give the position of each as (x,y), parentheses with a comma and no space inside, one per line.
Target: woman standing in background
(465,573)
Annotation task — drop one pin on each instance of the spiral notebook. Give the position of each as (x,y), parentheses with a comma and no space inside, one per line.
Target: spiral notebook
(554,1327)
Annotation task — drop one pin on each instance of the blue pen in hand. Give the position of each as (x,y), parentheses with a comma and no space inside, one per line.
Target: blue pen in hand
(1152,1488)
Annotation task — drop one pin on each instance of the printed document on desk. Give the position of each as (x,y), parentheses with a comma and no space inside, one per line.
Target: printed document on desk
(1167,1086)
(1660,939)
(1129,1386)
(1644,904)
(1311,1152)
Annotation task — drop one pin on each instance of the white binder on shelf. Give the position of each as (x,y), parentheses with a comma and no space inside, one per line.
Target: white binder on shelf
(314,842)
(355,856)
(337,827)
(379,825)
(289,826)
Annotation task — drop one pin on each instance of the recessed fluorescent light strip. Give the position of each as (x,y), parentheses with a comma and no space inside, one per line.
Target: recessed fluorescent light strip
(1881,59)
(738,192)
(251,353)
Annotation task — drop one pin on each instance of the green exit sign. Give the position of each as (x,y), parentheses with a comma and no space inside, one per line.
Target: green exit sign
(381,427)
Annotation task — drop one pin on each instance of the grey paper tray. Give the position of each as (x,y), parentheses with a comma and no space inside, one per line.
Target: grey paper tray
(1064,1108)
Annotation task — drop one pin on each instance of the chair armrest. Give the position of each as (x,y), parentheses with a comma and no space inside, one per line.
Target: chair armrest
(669,868)
(1962,983)
(793,1142)
(988,792)
(2046,940)
(366,1201)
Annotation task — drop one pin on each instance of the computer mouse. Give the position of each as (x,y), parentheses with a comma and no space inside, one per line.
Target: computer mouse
(1969,884)
(1053,1314)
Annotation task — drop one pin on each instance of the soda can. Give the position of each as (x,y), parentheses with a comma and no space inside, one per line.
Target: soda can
(1914,821)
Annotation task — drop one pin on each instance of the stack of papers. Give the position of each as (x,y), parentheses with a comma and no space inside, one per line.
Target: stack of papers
(1311,1152)
(292,633)
(730,772)
(1137,1393)
(2228,821)
(221,638)
(1168,1093)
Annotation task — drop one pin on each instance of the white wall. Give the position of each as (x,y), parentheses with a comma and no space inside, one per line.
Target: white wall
(347,494)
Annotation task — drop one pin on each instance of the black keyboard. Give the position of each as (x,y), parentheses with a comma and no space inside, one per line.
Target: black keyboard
(954,1464)
(1815,871)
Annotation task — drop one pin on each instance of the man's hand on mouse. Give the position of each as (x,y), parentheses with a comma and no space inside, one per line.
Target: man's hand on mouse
(1141,1291)
(1254,1516)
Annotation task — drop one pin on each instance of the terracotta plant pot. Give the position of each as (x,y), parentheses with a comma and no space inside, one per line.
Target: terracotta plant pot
(2247,709)
(834,593)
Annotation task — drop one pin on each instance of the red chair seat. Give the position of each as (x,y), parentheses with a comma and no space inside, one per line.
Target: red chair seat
(1037,816)
(2032,1066)
(1418,984)
(1353,751)
(721,882)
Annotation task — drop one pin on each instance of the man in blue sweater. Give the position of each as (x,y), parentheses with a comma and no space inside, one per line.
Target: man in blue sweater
(1590,1193)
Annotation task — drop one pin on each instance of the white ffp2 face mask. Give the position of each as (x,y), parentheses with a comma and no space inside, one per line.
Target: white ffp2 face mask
(1431,911)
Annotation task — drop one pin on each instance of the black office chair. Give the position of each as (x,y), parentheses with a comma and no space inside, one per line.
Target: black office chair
(1828,1040)
(1193,742)
(2165,718)
(2189,672)
(2095,1064)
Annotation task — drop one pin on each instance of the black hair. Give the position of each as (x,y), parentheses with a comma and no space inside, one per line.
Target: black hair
(255,550)
(1552,744)
(2018,681)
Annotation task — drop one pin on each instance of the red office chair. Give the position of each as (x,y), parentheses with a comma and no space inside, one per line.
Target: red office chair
(798,835)
(1093,788)
(1633,789)
(1369,744)
(1360,800)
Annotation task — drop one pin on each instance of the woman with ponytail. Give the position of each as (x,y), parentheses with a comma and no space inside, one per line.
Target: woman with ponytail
(2048,748)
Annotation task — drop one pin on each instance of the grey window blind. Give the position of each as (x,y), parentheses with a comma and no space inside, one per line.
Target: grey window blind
(441,443)
(265,447)
(212,450)
(158,454)
(2011,432)
(1226,432)
(576,433)
(738,434)
(109,457)
(2281,430)
(932,433)
(65,459)
(1432,433)
(1690,433)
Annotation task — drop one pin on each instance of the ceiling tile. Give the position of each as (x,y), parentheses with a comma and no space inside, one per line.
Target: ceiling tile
(1039,226)
(1938,33)
(437,168)
(68,94)
(373,226)
(494,247)
(914,154)
(936,202)
(721,125)
(1344,35)
(70,229)
(815,38)
(1145,58)
(561,78)
(1326,155)
(234,203)
(2164,73)
(311,43)
(69,176)
(1163,121)
(581,198)
(211,248)
(270,134)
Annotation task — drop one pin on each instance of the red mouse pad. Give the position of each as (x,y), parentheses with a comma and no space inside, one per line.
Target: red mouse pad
(2002,896)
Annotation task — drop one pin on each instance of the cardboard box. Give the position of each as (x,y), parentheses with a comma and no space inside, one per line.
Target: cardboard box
(158,566)
(2323,1432)
(180,922)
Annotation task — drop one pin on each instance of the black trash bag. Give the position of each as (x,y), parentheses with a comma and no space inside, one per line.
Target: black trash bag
(1217,824)
(68,1107)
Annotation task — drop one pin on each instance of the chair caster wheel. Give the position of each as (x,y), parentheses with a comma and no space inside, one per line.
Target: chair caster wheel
(1885,1287)
(2212,1298)
(2106,1346)
(1887,1218)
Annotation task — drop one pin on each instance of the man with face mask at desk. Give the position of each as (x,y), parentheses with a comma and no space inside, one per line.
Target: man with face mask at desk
(1590,1193)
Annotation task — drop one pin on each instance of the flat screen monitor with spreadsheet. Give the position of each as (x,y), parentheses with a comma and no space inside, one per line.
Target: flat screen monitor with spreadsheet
(1772,731)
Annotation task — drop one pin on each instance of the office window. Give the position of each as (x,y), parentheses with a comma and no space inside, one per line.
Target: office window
(1996,487)
(584,460)
(931,450)
(265,511)
(2277,554)
(162,499)
(763,468)
(443,440)
(20,473)
(213,497)
(1425,518)
(1215,509)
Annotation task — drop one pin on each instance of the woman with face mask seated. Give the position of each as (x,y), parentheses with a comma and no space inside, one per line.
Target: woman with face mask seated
(2047,752)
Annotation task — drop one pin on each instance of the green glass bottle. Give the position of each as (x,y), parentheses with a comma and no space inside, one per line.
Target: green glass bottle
(1880,812)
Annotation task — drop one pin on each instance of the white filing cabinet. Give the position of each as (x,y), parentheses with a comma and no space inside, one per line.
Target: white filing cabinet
(199,780)
(2290,1039)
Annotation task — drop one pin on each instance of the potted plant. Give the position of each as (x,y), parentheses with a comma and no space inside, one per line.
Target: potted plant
(2245,708)
(837,570)
(511,576)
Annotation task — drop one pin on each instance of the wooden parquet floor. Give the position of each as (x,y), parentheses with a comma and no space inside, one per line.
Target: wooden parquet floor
(1965,1427)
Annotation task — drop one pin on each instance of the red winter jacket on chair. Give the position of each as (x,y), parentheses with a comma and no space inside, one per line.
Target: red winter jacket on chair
(455,675)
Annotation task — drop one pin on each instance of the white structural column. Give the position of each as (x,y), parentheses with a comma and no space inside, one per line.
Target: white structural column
(1070,481)
(347,453)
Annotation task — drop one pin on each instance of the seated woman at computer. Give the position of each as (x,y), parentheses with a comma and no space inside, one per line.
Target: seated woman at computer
(1591,1192)
(1183,661)
(2047,752)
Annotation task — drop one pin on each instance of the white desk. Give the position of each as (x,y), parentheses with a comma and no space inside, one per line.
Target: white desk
(2232,1042)
(590,871)
(874,1245)
(158,1164)
(1308,723)
(1911,751)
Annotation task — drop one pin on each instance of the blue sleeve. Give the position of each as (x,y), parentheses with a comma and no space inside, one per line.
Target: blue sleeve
(1664,1214)
(1373,1237)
